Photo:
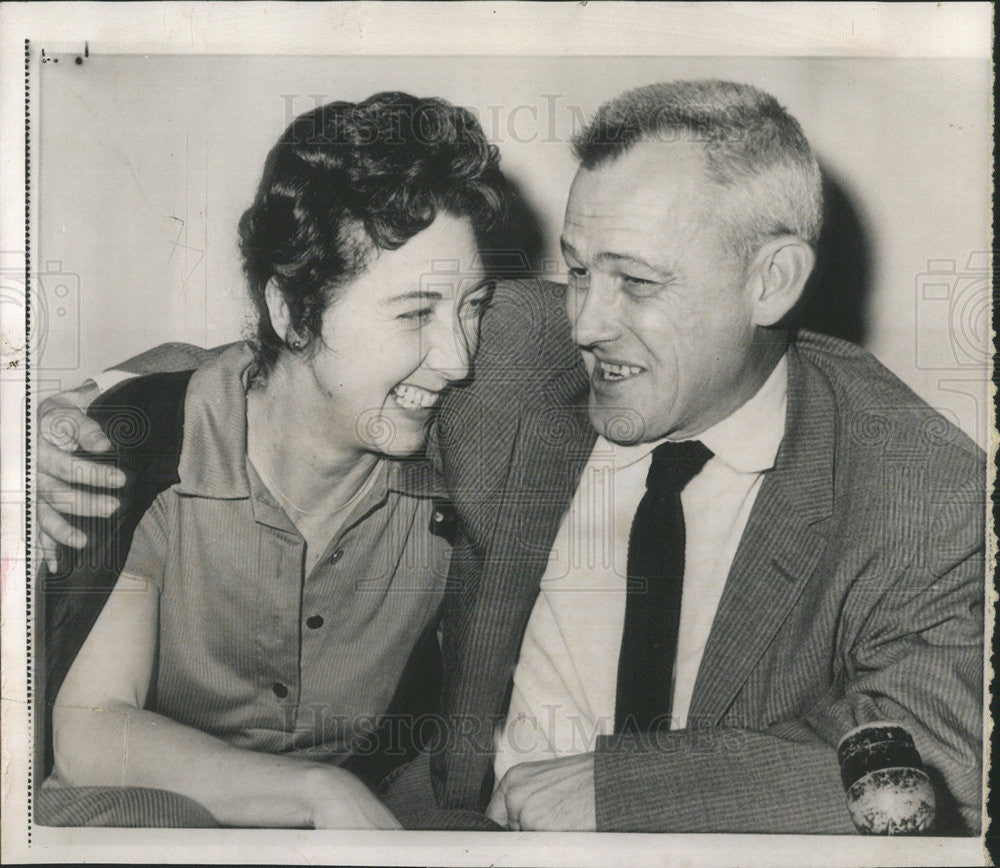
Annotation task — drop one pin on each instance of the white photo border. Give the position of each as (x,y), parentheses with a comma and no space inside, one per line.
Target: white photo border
(761,29)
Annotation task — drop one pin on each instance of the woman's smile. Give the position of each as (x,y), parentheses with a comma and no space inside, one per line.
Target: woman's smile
(412,397)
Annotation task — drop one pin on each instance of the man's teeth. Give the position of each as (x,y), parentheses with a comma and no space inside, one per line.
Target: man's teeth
(617,372)
(414,398)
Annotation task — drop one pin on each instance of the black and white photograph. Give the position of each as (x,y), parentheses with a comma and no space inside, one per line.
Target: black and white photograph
(434,430)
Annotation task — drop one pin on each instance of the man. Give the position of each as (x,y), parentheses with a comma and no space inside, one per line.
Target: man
(811,560)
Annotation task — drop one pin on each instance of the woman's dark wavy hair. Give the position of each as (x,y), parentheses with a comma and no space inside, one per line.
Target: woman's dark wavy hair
(347,179)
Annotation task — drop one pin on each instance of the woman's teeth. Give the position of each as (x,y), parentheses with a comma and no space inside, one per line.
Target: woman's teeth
(617,372)
(414,398)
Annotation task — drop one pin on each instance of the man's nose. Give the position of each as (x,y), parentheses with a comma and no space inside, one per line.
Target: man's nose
(592,314)
(450,350)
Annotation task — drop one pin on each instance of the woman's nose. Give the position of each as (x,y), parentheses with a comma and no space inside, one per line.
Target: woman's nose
(451,351)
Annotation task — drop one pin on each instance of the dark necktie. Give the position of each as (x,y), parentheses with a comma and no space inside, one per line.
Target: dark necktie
(653,597)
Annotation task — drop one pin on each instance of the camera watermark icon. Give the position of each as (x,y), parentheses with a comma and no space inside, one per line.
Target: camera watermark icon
(953,314)
(51,335)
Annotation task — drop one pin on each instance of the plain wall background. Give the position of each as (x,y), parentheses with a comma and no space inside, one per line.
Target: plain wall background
(147,162)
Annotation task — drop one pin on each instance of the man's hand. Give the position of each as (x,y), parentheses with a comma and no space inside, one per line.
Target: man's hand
(64,427)
(554,795)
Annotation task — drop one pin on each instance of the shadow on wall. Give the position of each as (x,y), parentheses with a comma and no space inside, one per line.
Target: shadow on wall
(835,301)
(514,248)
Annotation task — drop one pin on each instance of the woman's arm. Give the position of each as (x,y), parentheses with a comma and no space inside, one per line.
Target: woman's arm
(103,737)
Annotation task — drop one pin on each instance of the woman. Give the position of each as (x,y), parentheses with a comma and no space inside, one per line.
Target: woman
(271,597)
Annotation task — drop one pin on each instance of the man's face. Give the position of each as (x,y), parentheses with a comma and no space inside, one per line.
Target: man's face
(397,336)
(657,296)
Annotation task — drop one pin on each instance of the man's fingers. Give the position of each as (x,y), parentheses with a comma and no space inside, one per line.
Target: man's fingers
(508,800)
(68,428)
(497,810)
(48,549)
(60,465)
(70,500)
(92,438)
(57,528)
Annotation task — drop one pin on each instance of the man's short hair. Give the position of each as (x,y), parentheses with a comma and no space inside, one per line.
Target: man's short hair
(755,151)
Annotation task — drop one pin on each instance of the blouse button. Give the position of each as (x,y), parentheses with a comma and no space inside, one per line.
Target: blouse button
(314,622)
(279,690)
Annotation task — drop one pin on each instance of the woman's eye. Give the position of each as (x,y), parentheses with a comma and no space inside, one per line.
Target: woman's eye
(475,306)
(418,316)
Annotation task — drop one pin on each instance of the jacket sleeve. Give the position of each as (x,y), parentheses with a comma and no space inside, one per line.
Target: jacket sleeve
(917,659)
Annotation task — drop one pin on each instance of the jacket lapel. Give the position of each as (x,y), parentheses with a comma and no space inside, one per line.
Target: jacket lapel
(780,547)
(514,445)
(545,465)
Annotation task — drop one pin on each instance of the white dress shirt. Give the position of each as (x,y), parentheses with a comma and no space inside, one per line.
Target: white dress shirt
(109,378)
(566,678)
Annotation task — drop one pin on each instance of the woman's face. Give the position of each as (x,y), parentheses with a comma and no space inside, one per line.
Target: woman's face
(397,335)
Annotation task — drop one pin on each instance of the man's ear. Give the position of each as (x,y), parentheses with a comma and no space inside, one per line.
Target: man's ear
(777,277)
(277,308)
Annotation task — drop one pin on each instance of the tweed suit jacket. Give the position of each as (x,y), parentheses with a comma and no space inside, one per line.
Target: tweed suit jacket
(856,593)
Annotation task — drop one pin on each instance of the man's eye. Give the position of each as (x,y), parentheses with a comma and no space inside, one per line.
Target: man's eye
(419,316)
(637,281)
(640,287)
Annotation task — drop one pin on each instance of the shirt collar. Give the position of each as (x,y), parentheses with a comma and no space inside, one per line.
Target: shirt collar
(213,454)
(747,440)
(416,477)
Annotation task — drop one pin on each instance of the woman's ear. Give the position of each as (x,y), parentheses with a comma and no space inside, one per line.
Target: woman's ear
(277,308)
(778,276)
